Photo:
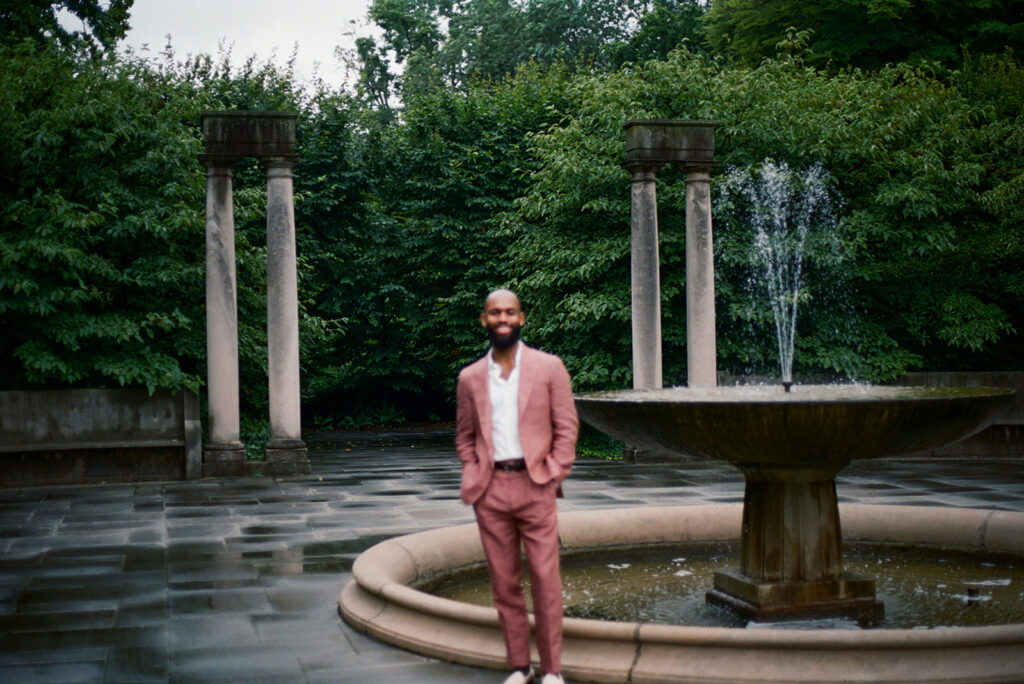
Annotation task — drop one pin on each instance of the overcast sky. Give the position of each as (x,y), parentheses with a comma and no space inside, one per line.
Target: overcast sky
(252,27)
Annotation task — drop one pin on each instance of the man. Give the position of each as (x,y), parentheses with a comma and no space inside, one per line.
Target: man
(516,430)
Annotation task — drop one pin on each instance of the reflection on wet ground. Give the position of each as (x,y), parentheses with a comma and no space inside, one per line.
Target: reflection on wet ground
(237,579)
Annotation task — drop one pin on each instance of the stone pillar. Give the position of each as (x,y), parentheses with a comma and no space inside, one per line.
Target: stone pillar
(285,445)
(689,145)
(645,280)
(701,354)
(270,137)
(225,446)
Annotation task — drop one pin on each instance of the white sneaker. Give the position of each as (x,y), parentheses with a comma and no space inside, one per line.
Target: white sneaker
(518,677)
(552,679)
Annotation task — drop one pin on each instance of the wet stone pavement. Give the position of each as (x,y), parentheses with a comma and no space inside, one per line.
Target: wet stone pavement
(236,580)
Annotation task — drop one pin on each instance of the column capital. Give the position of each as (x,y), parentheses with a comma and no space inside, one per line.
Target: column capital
(218,161)
(641,172)
(697,172)
(274,162)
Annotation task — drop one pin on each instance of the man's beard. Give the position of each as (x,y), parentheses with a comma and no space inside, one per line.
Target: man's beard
(506,341)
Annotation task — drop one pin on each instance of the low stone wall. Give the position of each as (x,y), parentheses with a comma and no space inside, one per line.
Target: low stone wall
(1004,438)
(101,435)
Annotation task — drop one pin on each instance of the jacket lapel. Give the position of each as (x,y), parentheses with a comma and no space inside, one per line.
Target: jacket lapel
(527,377)
(482,399)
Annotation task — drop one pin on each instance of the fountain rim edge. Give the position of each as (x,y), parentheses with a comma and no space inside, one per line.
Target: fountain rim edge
(723,395)
(399,591)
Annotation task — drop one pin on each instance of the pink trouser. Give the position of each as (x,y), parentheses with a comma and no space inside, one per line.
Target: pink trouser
(514,510)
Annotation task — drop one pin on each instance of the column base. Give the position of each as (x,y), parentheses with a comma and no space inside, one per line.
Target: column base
(847,596)
(222,459)
(632,454)
(286,457)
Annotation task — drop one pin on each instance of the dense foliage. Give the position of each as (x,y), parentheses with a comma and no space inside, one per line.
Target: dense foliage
(413,233)
(451,43)
(100,268)
(102,222)
(481,175)
(866,33)
(930,272)
(99,24)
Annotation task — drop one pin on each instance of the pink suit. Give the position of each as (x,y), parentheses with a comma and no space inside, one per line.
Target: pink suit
(514,507)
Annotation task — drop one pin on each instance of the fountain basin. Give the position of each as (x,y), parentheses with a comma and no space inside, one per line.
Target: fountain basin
(812,426)
(380,602)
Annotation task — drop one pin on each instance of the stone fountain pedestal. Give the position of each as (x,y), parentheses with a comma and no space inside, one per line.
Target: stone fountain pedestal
(791,555)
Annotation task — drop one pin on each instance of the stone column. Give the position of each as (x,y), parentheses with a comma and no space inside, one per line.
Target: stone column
(225,445)
(285,444)
(645,280)
(701,354)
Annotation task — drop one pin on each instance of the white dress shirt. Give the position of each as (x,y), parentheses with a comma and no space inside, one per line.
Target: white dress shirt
(505,408)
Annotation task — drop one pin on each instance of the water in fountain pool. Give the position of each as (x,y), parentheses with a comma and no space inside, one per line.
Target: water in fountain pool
(921,588)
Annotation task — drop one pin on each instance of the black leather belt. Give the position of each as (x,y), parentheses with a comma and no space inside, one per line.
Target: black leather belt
(511,466)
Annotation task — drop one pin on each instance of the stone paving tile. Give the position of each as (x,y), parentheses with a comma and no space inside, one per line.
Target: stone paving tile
(48,622)
(137,665)
(237,579)
(414,672)
(57,640)
(224,662)
(58,673)
(68,655)
(238,600)
(210,632)
(147,536)
(143,612)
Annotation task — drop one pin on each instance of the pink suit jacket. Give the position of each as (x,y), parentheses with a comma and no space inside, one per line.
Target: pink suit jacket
(547,422)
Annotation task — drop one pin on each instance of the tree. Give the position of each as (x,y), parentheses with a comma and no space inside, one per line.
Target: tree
(667,26)
(449,43)
(571,30)
(101,231)
(102,23)
(866,33)
(374,84)
(404,218)
(487,39)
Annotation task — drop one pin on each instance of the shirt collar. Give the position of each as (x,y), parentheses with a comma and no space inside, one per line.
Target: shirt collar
(492,366)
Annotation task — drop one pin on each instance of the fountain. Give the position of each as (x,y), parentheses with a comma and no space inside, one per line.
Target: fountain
(786,209)
(789,446)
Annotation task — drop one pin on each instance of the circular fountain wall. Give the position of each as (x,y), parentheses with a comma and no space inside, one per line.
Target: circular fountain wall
(381,601)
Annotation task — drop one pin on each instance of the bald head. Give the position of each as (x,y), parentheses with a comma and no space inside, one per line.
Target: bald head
(501,296)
